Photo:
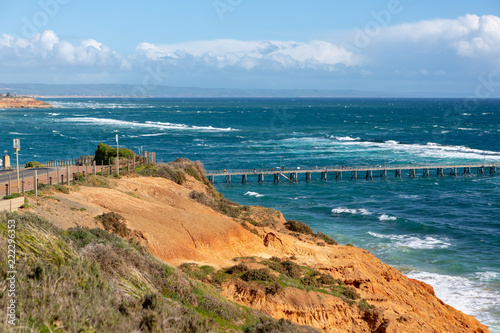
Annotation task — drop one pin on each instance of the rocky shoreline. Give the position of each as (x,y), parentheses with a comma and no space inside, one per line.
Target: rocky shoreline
(22,102)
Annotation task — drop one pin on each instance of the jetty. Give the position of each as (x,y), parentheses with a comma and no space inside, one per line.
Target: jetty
(353,172)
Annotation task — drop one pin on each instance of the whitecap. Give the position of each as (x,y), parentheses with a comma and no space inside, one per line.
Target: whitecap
(487,276)
(344,138)
(414,242)
(385,217)
(430,149)
(254,194)
(344,210)
(147,124)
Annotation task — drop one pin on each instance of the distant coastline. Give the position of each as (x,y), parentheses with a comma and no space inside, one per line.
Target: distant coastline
(20,102)
(159,91)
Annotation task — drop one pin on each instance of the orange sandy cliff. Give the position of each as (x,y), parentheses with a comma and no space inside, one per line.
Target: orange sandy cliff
(22,102)
(177,229)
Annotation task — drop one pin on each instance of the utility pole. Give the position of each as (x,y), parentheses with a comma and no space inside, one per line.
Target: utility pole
(117,164)
(17,148)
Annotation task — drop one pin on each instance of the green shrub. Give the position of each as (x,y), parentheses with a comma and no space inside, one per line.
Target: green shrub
(270,325)
(292,269)
(297,226)
(33,164)
(237,269)
(107,154)
(261,274)
(310,281)
(327,239)
(327,279)
(114,222)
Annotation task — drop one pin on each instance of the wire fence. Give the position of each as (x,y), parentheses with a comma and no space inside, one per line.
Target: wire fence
(67,172)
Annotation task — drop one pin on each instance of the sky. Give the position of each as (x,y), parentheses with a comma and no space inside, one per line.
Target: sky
(448,48)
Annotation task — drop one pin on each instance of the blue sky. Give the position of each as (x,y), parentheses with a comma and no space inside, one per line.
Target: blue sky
(401,46)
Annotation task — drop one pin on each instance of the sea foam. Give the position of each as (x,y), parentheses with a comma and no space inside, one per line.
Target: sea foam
(147,124)
(344,210)
(414,242)
(466,294)
(254,194)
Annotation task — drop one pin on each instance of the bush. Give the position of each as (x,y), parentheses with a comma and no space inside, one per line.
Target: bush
(237,269)
(33,164)
(310,281)
(114,222)
(327,239)
(270,325)
(261,274)
(107,154)
(292,269)
(297,226)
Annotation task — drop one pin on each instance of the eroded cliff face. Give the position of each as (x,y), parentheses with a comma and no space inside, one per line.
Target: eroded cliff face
(177,229)
(22,102)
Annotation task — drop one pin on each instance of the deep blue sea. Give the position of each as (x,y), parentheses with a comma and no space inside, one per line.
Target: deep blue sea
(444,231)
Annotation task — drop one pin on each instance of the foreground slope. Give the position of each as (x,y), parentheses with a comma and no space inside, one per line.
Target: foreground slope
(254,260)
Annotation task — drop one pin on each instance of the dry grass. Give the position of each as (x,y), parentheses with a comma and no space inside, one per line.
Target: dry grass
(88,280)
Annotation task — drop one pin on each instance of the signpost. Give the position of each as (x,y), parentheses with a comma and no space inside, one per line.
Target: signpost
(117,164)
(17,148)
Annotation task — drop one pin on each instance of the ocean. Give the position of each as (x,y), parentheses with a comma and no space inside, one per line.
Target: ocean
(444,231)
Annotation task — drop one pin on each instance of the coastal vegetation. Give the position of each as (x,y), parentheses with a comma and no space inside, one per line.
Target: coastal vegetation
(88,280)
(34,164)
(107,154)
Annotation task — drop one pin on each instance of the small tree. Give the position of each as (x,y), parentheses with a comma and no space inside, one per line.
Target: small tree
(107,153)
(8,94)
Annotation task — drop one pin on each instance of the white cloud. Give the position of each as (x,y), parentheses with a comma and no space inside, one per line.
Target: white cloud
(251,54)
(468,36)
(47,49)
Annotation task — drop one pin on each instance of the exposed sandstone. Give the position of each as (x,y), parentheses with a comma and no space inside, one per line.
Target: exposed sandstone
(177,229)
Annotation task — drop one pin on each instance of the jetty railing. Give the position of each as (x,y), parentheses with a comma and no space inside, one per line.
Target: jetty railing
(291,174)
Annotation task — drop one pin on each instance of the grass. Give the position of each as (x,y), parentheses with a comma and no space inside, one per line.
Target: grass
(88,280)
(13,196)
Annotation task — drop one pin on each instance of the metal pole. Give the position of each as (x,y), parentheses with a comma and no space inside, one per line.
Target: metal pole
(117,164)
(17,167)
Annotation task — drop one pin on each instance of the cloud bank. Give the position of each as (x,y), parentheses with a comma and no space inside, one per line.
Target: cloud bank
(457,50)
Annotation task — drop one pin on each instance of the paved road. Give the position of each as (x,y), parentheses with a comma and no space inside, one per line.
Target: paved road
(4,174)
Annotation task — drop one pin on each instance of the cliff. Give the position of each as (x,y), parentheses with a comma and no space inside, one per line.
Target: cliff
(254,260)
(22,102)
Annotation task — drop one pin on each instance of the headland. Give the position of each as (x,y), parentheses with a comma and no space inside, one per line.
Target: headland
(226,267)
(11,102)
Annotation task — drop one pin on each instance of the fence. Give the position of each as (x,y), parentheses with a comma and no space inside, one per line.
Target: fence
(66,172)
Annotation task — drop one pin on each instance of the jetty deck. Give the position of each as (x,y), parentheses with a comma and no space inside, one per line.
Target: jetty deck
(354,172)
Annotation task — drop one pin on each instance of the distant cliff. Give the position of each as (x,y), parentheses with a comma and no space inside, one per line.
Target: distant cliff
(22,102)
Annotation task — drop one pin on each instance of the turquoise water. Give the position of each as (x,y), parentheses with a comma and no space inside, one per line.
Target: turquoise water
(444,231)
